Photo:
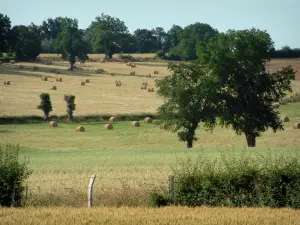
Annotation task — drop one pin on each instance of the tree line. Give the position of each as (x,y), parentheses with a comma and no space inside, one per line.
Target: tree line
(108,35)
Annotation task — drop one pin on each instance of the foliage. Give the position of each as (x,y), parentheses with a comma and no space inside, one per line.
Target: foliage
(12,175)
(160,54)
(71,43)
(293,98)
(190,36)
(107,33)
(5,26)
(247,180)
(157,199)
(45,105)
(237,59)
(189,100)
(71,106)
(26,41)
(146,41)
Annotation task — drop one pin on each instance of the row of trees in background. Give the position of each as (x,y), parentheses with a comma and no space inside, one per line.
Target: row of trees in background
(109,35)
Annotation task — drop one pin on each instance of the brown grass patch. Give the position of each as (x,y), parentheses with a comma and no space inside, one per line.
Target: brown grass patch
(175,215)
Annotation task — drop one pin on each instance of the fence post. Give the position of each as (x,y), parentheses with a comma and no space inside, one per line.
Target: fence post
(171,188)
(90,191)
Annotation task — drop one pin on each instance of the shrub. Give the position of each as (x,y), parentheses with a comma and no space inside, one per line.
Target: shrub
(239,181)
(127,58)
(12,175)
(157,199)
(160,54)
(45,104)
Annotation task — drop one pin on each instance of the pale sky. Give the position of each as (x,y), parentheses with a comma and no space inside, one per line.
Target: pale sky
(279,18)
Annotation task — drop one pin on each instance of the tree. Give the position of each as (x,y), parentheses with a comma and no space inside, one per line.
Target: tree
(107,33)
(71,43)
(5,26)
(237,59)
(190,36)
(69,99)
(45,104)
(146,41)
(173,36)
(27,41)
(161,38)
(189,100)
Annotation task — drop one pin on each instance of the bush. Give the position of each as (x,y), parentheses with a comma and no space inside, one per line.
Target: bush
(12,175)
(245,181)
(160,54)
(127,58)
(157,199)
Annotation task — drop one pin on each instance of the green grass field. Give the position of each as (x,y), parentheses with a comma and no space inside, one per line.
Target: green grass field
(126,160)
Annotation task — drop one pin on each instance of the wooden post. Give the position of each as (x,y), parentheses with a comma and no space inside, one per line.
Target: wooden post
(90,191)
(171,188)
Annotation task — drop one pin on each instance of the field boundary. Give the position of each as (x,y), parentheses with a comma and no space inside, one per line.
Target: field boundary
(77,119)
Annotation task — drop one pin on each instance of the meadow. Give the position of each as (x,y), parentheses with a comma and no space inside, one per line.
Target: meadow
(129,162)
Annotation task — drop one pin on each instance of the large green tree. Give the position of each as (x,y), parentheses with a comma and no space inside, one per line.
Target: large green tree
(26,41)
(188,100)
(5,26)
(71,43)
(237,59)
(146,41)
(107,33)
(190,36)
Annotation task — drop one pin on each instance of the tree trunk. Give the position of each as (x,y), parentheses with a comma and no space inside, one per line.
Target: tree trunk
(72,66)
(70,115)
(189,143)
(46,117)
(251,140)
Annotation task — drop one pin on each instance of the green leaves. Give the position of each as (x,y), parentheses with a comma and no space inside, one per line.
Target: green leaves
(107,33)
(188,95)
(237,59)
(45,104)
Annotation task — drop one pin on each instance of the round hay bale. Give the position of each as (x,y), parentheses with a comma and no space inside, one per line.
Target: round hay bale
(276,105)
(135,123)
(112,119)
(44,78)
(0,62)
(80,129)
(54,88)
(296,125)
(82,83)
(108,126)
(53,124)
(148,120)
(87,80)
(7,82)
(284,119)
(12,61)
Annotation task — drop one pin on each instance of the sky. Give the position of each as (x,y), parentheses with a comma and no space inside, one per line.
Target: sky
(279,18)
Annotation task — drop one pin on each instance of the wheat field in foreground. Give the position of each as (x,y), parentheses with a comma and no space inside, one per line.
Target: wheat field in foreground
(167,215)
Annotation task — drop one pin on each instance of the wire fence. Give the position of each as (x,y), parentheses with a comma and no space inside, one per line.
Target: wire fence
(110,191)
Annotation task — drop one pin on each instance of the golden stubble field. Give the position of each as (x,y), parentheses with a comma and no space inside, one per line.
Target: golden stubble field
(167,215)
(100,96)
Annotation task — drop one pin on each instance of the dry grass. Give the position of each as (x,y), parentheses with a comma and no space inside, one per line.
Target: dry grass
(167,215)
(101,92)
